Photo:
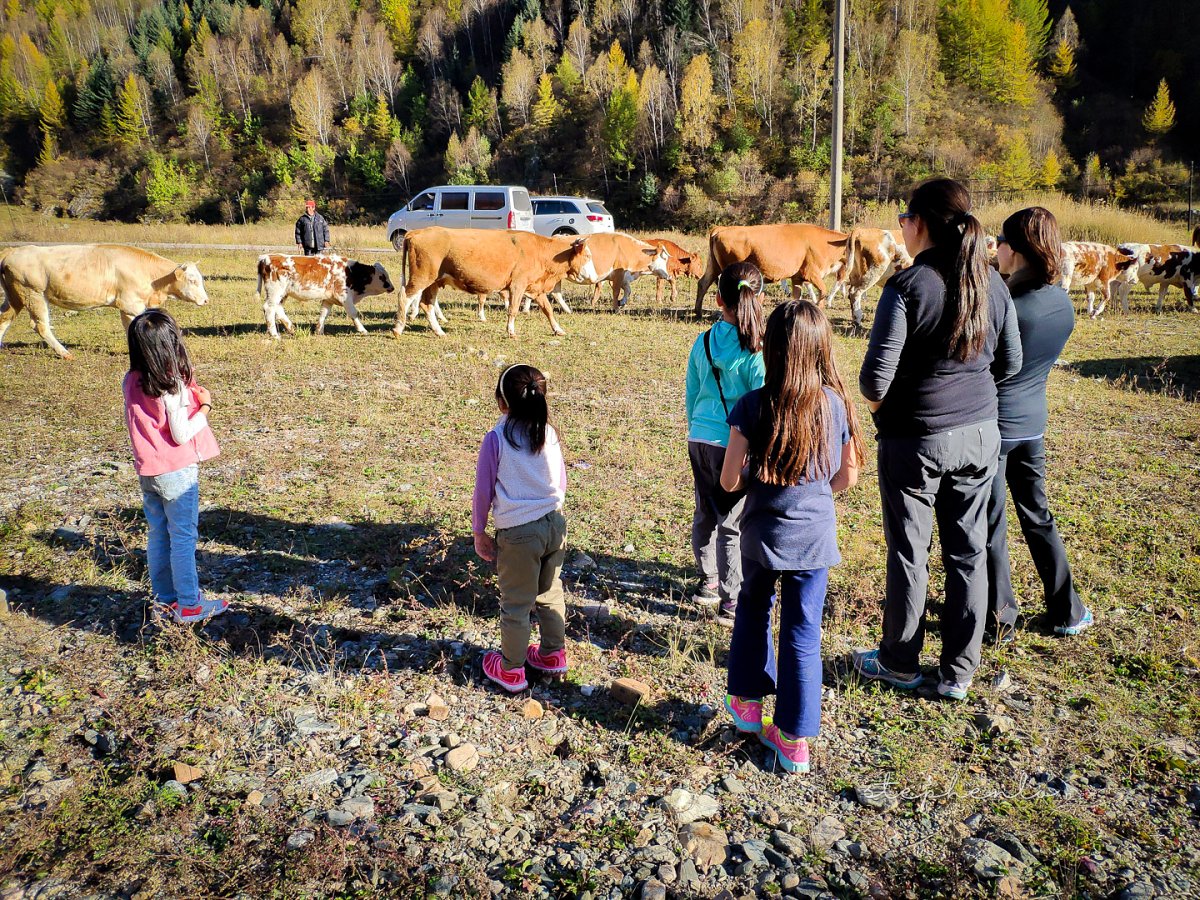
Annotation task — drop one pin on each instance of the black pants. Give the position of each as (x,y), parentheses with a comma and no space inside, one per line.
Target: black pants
(1023,468)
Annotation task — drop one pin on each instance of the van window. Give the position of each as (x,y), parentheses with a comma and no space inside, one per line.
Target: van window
(425,201)
(489,200)
(598,207)
(520,200)
(454,199)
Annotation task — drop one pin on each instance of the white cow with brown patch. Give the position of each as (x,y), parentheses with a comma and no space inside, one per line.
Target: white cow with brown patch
(1095,268)
(619,259)
(328,280)
(872,255)
(87,276)
(1163,266)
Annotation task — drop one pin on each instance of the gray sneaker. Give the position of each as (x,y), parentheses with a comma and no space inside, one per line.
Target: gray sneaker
(726,614)
(706,594)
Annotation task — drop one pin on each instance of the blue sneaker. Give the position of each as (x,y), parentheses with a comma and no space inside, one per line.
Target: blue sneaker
(867,664)
(1079,627)
(952,690)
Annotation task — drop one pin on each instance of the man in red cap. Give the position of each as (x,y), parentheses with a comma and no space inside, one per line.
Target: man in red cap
(312,231)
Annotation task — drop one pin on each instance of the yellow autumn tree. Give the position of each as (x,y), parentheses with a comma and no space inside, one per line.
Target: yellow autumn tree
(52,116)
(1159,117)
(697,104)
(546,108)
(1051,171)
(397,18)
(131,127)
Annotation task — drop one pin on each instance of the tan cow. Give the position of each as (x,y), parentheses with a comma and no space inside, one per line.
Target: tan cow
(805,254)
(679,262)
(872,255)
(1095,267)
(619,259)
(86,276)
(478,261)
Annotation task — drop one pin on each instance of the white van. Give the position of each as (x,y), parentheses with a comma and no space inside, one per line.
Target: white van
(463,206)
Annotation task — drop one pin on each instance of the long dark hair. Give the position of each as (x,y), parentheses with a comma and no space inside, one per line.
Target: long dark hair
(1033,232)
(741,287)
(944,205)
(157,354)
(523,391)
(791,440)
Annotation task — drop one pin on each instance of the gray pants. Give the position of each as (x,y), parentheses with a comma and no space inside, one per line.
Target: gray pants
(716,523)
(947,476)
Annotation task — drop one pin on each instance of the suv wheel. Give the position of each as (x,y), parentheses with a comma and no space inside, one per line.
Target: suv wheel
(398,240)
(563,232)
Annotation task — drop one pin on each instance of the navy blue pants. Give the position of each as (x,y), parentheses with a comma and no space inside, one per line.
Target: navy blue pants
(752,666)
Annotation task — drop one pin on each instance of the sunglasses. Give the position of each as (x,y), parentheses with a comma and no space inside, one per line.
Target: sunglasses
(1001,239)
(905,216)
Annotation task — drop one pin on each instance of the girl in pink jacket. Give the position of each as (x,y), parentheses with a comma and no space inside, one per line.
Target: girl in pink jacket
(167,415)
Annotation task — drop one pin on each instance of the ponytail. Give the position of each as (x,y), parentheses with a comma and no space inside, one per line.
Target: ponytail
(944,206)
(741,288)
(522,389)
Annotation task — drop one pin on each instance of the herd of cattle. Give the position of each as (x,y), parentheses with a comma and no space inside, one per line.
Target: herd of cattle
(522,266)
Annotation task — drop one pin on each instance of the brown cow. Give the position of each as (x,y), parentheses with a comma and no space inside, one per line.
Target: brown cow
(679,262)
(1094,267)
(872,255)
(85,276)
(619,259)
(805,254)
(479,261)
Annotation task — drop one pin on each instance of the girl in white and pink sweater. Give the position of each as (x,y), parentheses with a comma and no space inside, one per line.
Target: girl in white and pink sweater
(521,479)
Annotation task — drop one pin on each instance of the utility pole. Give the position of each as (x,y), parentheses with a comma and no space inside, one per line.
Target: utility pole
(835,149)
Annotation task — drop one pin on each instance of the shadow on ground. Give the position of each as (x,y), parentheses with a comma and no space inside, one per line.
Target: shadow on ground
(1172,376)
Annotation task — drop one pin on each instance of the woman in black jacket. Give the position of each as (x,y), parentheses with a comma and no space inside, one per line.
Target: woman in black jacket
(1028,253)
(944,332)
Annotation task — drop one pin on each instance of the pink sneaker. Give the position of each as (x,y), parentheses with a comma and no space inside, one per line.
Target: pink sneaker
(747,713)
(551,663)
(493,667)
(200,611)
(792,753)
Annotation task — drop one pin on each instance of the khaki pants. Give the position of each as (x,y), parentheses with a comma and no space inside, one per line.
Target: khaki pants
(529,561)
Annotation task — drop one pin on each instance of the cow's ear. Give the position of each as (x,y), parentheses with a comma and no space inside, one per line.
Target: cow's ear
(685,260)
(577,244)
(651,251)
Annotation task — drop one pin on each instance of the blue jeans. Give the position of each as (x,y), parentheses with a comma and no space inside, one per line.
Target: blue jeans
(172,505)
(752,670)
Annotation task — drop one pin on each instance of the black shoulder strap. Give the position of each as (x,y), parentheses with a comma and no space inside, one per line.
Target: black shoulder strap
(716,372)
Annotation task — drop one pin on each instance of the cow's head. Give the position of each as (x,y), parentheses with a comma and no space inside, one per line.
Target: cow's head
(188,284)
(694,265)
(659,262)
(366,280)
(580,265)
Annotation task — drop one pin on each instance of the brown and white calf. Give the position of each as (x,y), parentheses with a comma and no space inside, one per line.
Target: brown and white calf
(872,255)
(86,276)
(478,261)
(619,259)
(1164,266)
(1095,268)
(328,280)
(805,254)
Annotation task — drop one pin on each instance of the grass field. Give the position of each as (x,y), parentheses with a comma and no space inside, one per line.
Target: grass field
(337,521)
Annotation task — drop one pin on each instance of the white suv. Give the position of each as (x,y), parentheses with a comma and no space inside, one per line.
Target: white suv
(570,215)
(463,206)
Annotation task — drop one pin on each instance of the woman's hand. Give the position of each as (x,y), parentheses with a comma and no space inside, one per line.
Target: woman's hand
(485,546)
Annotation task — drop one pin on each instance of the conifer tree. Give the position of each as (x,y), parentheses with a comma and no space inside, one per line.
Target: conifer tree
(568,76)
(1034,15)
(397,18)
(479,111)
(1159,117)
(1051,171)
(97,91)
(130,122)
(52,117)
(546,108)
(1062,64)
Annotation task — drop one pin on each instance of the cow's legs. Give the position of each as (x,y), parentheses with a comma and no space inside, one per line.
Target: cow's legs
(1162,296)
(706,280)
(354,314)
(557,297)
(269,308)
(627,280)
(515,294)
(659,287)
(8,310)
(856,310)
(1105,294)
(547,307)
(596,293)
(429,299)
(282,316)
(525,303)
(39,311)
(1091,301)
(325,307)
(482,298)
(437,311)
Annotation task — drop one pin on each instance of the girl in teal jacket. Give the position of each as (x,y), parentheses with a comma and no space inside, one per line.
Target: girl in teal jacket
(725,362)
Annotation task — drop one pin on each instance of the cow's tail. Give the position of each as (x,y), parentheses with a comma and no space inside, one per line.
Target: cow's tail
(852,241)
(264,262)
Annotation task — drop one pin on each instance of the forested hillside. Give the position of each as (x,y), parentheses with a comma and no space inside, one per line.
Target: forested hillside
(686,111)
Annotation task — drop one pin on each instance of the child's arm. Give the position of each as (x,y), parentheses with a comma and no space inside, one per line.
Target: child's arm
(183,428)
(485,493)
(847,476)
(736,455)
